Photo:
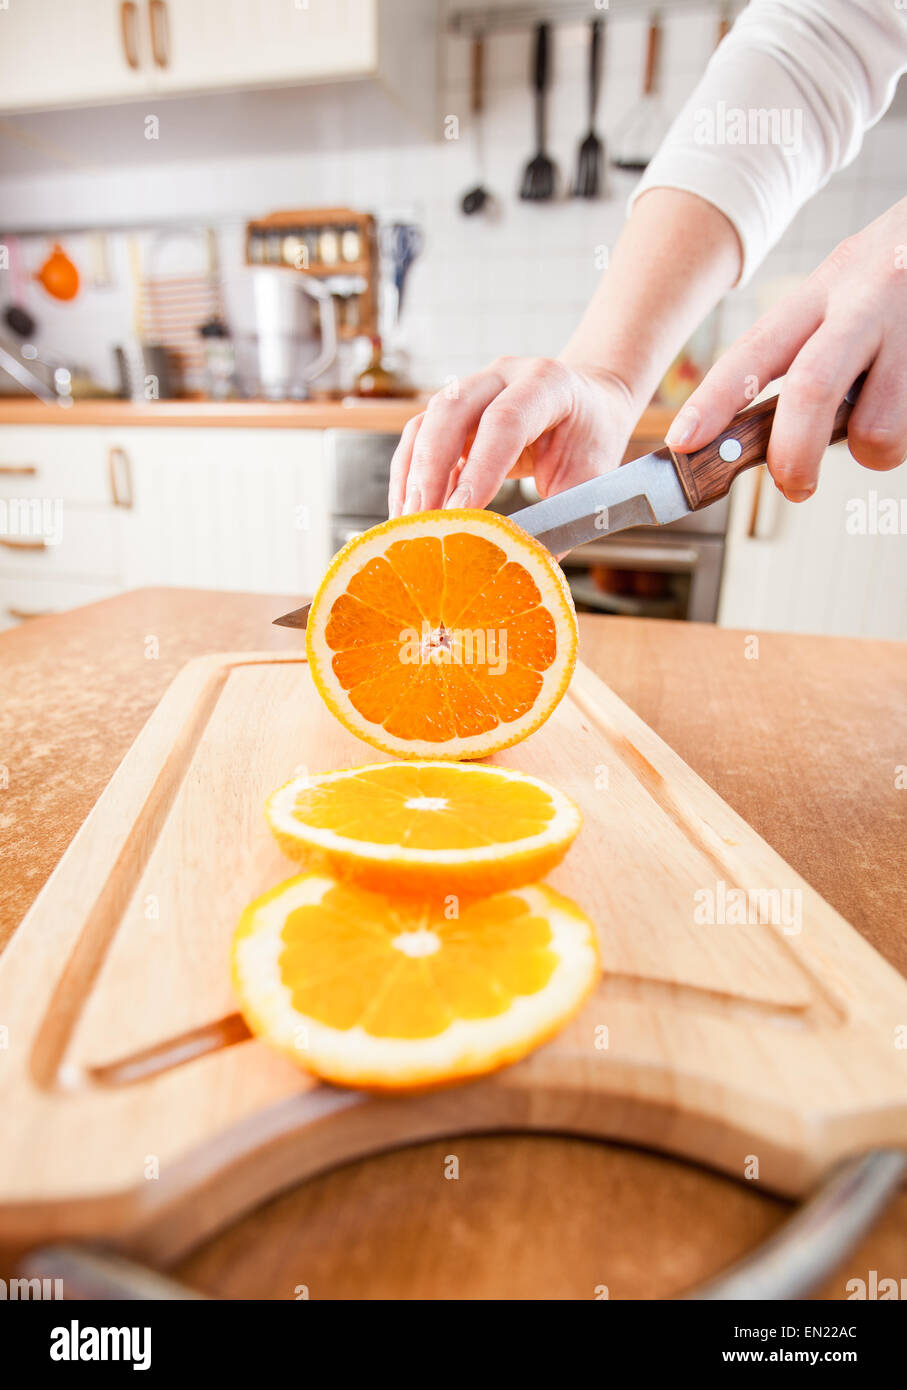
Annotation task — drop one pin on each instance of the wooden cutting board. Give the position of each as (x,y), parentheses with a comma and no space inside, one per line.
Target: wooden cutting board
(142,1114)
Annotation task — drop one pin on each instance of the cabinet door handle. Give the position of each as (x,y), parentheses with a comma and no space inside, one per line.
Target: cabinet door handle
(160,32)
(119,470)
(631,555)
(22,615)
(18,470)
(129,18)
(22,543)
(752,530)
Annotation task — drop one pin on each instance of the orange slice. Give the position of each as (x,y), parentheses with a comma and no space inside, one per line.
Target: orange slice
(448,634)
(394,995)
(425,827)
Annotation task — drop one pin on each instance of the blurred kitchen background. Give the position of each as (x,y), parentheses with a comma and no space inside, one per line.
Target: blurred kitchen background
(241,241)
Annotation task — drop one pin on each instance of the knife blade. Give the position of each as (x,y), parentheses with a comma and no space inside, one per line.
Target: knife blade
(298,618)
(644,492)
(652,490)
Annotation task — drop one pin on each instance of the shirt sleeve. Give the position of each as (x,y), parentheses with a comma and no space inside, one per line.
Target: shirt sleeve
(782,105)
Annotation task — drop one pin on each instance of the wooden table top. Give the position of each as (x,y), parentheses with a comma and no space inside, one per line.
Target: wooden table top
(805,741)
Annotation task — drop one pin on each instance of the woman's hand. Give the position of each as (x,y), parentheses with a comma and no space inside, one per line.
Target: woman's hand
(850,315)
(521,415)
(569,419)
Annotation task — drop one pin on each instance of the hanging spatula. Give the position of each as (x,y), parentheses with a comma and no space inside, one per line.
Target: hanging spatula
(591,160)
(642,131)
(540,174)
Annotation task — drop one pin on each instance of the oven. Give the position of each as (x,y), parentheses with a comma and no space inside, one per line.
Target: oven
(359,463)
(669,571)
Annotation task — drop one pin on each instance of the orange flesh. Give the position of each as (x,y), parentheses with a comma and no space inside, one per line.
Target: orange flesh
(390,806)
(419,638)
(343,968)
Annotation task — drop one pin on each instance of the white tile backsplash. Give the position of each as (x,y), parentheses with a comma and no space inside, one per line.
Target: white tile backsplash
(514,282)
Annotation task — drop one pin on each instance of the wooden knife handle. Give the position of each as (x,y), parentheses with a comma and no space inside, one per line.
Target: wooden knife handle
(708,473)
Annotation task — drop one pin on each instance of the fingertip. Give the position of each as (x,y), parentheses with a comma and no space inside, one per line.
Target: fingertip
(394,498)
(433,494)
(795,489)
(412,502)
(460,497)
(684,428)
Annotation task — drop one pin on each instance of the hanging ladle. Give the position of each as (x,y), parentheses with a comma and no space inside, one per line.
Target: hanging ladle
(477,198)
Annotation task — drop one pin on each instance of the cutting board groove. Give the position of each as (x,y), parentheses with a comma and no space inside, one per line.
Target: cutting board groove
(126,1050)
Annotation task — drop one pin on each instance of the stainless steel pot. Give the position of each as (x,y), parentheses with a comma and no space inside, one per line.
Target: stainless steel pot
(296,330)
(144,371)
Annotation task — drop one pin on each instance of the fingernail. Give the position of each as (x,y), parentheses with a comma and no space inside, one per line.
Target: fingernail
(413,501)
(682,427)
(460,496)
(799,494)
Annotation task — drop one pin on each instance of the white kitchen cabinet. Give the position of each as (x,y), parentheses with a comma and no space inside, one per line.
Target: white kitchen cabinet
(234,43)
(72,541)
(220,508)
(814,567)
(73,463)
(61,492)
(226,509)
(58,53)
(65,52)
(21,599)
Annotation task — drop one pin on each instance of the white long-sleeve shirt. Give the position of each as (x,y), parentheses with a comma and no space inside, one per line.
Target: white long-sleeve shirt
(782,105)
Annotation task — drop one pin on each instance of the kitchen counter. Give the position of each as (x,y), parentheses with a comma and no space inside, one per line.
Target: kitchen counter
(803,742)
(388,415)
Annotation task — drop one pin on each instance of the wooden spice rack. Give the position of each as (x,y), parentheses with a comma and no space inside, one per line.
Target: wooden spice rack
(320,242)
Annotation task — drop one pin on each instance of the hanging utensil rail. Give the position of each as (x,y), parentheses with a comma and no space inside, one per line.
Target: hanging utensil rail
(502,19)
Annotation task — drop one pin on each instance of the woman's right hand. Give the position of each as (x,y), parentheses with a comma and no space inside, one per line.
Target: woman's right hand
(520,416)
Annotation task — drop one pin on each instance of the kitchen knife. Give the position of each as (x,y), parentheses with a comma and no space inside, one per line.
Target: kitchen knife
(653,490)
(663,486)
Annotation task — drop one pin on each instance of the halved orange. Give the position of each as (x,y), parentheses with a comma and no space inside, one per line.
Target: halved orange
(425,827)
(449,634)
(382,994)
